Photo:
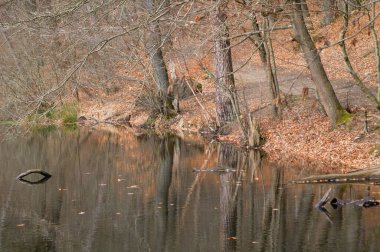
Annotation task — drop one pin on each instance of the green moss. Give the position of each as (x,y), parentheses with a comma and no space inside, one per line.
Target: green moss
(345,117)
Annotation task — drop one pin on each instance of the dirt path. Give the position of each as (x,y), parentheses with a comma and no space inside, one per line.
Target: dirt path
(252,84)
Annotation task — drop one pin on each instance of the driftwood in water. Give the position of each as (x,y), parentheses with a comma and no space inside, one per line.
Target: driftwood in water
(367,201)
(45,176)
(215,169)
(371,175)
(324,199)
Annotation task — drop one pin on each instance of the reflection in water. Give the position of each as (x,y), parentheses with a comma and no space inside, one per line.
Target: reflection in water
(124,193)
(27,177)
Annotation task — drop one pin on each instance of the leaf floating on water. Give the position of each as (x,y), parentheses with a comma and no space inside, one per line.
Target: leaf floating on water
(81,213)
(20,225)
(232,238)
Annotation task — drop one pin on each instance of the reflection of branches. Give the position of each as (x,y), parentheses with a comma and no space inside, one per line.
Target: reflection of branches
(198,179)
(4,211)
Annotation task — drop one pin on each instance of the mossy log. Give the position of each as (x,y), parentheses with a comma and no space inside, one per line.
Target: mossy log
(370,175)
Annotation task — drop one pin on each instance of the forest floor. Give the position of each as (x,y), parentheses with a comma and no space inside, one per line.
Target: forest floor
(301,136)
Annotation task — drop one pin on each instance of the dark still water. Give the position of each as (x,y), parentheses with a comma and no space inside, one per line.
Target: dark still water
(125,193)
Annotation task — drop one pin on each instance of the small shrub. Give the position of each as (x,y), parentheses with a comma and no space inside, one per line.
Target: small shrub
(68,114)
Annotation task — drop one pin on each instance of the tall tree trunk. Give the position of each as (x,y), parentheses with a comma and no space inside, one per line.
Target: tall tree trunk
(376,44)
(329,101)
(329,9)
(153,45)
(226,99)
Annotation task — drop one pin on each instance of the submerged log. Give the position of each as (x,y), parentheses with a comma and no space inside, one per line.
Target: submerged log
(215,169)
(45,176)
(370,175)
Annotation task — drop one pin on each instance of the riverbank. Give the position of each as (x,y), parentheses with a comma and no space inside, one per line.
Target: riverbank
(302,135)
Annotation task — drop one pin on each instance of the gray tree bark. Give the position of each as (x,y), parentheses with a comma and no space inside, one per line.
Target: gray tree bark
(153,45)
(226,99)
(328,98)
(329,9)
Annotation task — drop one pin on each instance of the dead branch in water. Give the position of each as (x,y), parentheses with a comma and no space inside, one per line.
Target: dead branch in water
(371,175)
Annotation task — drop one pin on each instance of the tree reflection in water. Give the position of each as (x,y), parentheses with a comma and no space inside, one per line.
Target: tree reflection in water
(112,192)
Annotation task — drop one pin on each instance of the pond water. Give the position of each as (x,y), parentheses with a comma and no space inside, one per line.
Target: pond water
(113,192)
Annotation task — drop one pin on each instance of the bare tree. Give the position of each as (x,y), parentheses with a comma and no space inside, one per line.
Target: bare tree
(342,43)
(328,98)
(153,45)
(226,100)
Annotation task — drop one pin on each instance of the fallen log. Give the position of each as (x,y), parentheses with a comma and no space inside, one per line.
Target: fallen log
(370,175)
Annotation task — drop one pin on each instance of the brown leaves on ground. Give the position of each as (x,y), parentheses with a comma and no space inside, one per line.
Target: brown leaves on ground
(304,137)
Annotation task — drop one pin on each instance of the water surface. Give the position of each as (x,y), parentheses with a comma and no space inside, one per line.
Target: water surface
(126,193)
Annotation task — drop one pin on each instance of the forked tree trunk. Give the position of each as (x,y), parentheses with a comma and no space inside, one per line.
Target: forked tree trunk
(328,98)
(226,100)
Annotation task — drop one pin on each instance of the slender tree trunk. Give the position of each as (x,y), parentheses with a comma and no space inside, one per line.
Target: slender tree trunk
(351,70)
(271,69)
(153,45)
(330,102)
(305,9)
(376,44)
(264,46)
(226,98)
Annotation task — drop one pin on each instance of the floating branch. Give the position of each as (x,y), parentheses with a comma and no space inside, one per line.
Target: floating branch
(45,176)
